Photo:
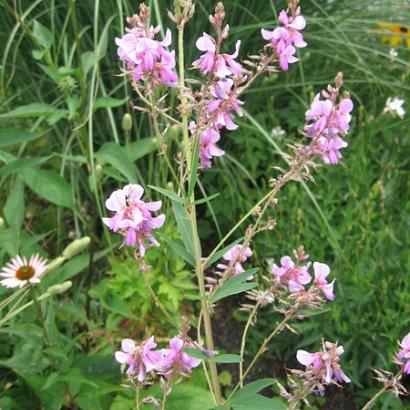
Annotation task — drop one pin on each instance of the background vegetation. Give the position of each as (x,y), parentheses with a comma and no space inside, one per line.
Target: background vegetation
(63,150)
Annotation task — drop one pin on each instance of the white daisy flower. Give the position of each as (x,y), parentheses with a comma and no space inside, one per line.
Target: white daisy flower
(18,272)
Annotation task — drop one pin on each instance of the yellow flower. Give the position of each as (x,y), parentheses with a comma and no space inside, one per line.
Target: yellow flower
(395,34)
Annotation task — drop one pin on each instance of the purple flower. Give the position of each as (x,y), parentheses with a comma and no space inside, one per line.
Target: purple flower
(222,65)
(237,255)
(291,276)
(224,104)
(321,273)
(208,148)
(133,217)
(324,364)
(140,359)
(176,361)
(283,40)
(147,58)
(327,123)
(403,355)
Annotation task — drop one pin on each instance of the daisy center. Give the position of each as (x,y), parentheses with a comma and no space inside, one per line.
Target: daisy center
(25,272)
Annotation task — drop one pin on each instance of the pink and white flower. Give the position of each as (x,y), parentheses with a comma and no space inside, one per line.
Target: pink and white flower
(20,272)
(283,40)
(140,359)
(324,364)
(224,104)
(147,58)
(133,217)
(222,65)
(290,275)
(327,123)
(321,273)
(237,255)
(176,361)
(403,355)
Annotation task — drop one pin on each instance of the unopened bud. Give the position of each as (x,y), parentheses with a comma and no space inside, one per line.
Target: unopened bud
(76,247)
(2,223)
(98,170)
(60,288)
(126,122)
(170,186)
(173,132)
(55,263)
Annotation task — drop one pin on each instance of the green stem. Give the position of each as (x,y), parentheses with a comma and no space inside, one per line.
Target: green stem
(137,397)
(40,315)
(243,342)
(262,349)
(192,216)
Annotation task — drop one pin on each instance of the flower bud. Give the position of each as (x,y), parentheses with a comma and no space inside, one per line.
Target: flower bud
(55,263)
(98,170)
(126,122)
(173,132)
(2,223)
(60,288)
(76,247)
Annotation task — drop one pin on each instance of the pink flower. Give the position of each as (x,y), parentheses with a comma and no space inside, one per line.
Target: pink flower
(224,104)
(176,361)
(20,272)
(291,276)
(140,359)
(147,58)
(208,148)
(327,123)
(404,354)
(283,40)
(236,256)
(324,364)
(221,64)
(321,273)
(133,217)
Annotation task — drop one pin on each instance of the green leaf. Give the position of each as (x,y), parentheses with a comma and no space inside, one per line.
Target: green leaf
(184,226)
(109,102)
(220,358)
(180,250)
(189,397)
(194,170)
(110,300)
(14,208)
(144,146)
(251,389)
(258,402)
(32,110)
(13,136)
(88,60)
(226,358)
(206,199)
(117,156)
(235,285)
(218,255)
(19,164)
(42,34)
(49,186)
(169,194)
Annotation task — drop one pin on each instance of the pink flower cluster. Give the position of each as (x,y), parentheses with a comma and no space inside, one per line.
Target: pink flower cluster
(225,76)
(221,65)
(283,40)
(295,277)
(327,122)
(133,217)
(142,359)
(145,57)
(324,364)
(403,355)
(237,255)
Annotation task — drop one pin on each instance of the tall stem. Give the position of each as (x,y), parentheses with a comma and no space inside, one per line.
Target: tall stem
(192,216)
(40,316)
(262,349)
